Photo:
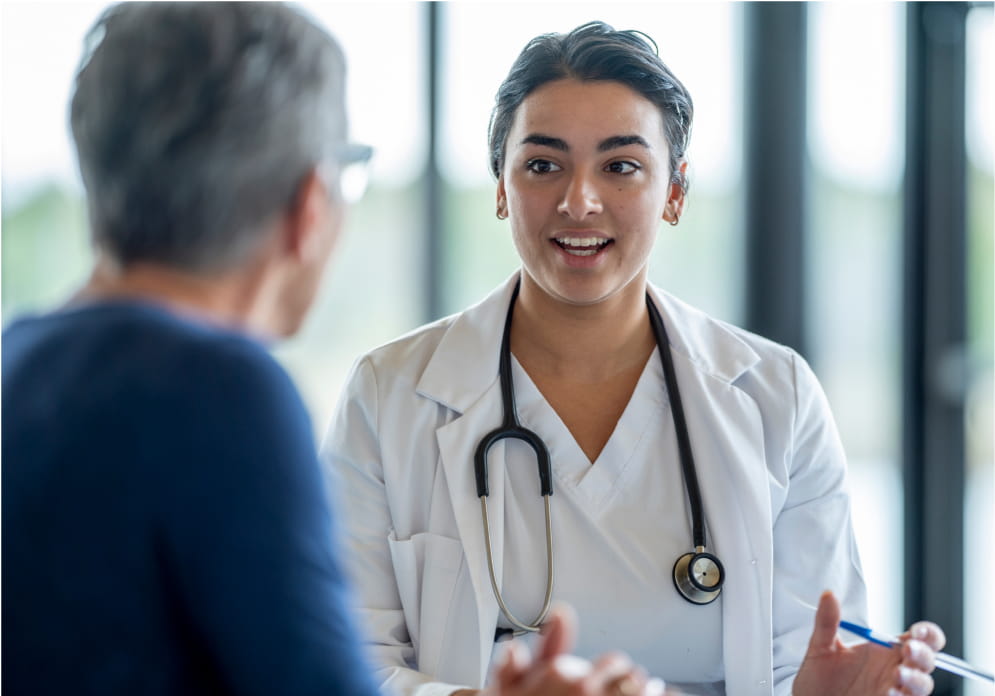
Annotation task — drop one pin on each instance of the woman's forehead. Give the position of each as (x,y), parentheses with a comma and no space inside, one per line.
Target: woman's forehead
(574,110)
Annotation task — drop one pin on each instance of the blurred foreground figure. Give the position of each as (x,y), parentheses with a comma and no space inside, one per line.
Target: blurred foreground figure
(164,525)
(165,529)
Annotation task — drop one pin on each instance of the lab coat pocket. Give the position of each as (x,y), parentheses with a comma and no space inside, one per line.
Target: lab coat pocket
(427,567)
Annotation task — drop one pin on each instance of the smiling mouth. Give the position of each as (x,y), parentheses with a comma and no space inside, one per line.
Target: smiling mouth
(582,246)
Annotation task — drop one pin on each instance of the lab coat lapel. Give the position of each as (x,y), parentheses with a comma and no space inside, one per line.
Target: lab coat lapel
(457,441)
(726,432)
(463,376)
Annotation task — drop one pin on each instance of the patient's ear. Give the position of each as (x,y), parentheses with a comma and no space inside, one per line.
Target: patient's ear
(306,218)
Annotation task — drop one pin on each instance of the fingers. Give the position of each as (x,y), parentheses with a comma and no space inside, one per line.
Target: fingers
(827,621)
(615,675)
(571,666)
(929,633)
(634,683)
(567,675)
(912,682)
(919,646)
(626,685)
(559,632)
(612,667)
(918,659)
(918,655)
(512,665)
(655,687)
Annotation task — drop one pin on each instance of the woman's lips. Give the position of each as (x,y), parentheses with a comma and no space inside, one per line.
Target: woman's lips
(582,246)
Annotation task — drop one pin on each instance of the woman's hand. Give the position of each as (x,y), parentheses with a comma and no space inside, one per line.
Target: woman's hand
(833,669)
(554,672)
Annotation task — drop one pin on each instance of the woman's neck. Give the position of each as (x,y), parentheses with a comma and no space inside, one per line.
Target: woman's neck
(582,343)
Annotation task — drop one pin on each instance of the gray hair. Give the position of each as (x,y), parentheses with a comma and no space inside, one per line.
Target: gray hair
(196,122)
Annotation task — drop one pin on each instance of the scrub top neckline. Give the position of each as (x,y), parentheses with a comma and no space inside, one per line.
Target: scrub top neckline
(599,481)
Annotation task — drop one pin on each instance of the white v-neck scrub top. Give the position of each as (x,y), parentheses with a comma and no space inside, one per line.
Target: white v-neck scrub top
(618,527)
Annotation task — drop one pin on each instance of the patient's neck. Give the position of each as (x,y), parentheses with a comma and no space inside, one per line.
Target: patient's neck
(226,298)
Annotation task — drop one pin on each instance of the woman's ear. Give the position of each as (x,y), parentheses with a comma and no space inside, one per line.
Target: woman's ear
(674,208)
(502,201)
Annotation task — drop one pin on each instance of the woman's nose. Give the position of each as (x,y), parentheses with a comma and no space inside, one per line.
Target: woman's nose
(580,198)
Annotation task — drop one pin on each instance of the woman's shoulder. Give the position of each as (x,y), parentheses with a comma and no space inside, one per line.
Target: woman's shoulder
(688,315)
(764,368)
(457,343)
(410,351)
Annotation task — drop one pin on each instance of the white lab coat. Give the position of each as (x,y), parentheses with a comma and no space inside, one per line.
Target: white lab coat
(400,459)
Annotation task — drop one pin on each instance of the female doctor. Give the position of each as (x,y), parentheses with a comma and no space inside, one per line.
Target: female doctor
(677,480)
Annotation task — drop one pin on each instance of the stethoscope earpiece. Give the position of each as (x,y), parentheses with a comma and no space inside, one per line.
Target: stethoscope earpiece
(698,577)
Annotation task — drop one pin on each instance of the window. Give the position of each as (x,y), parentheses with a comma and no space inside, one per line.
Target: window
(979,414)
(856,150)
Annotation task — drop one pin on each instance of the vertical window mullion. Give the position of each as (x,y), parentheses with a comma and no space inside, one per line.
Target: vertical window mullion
(934,373)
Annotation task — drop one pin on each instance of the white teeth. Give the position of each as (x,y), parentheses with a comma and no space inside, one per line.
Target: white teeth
(582,246)
(583,242)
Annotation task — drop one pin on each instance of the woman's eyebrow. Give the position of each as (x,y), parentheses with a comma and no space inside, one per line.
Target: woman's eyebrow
(546,140)
(611,143)
(621,141)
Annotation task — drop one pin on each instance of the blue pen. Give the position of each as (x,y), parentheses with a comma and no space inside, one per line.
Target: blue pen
(945,662)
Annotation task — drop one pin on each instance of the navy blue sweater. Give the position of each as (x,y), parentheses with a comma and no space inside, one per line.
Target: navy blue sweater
(165,529)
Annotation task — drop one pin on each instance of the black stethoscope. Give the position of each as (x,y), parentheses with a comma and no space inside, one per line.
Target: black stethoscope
(698,575)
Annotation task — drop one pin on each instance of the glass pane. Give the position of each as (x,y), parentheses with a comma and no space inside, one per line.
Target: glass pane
(701,259)
(980,483)
(856,57)
(46,252)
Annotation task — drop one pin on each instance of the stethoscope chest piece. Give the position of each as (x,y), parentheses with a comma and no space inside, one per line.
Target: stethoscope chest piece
(698,576)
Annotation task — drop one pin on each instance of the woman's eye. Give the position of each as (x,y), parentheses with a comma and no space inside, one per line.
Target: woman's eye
(541,166)
(622,167)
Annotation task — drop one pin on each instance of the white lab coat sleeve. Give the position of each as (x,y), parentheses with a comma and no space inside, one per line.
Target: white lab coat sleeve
(351,456)
(814,544)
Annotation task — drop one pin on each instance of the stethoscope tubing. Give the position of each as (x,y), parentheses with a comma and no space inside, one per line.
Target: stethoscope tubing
(521,626)
(511,428)
(680,425)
